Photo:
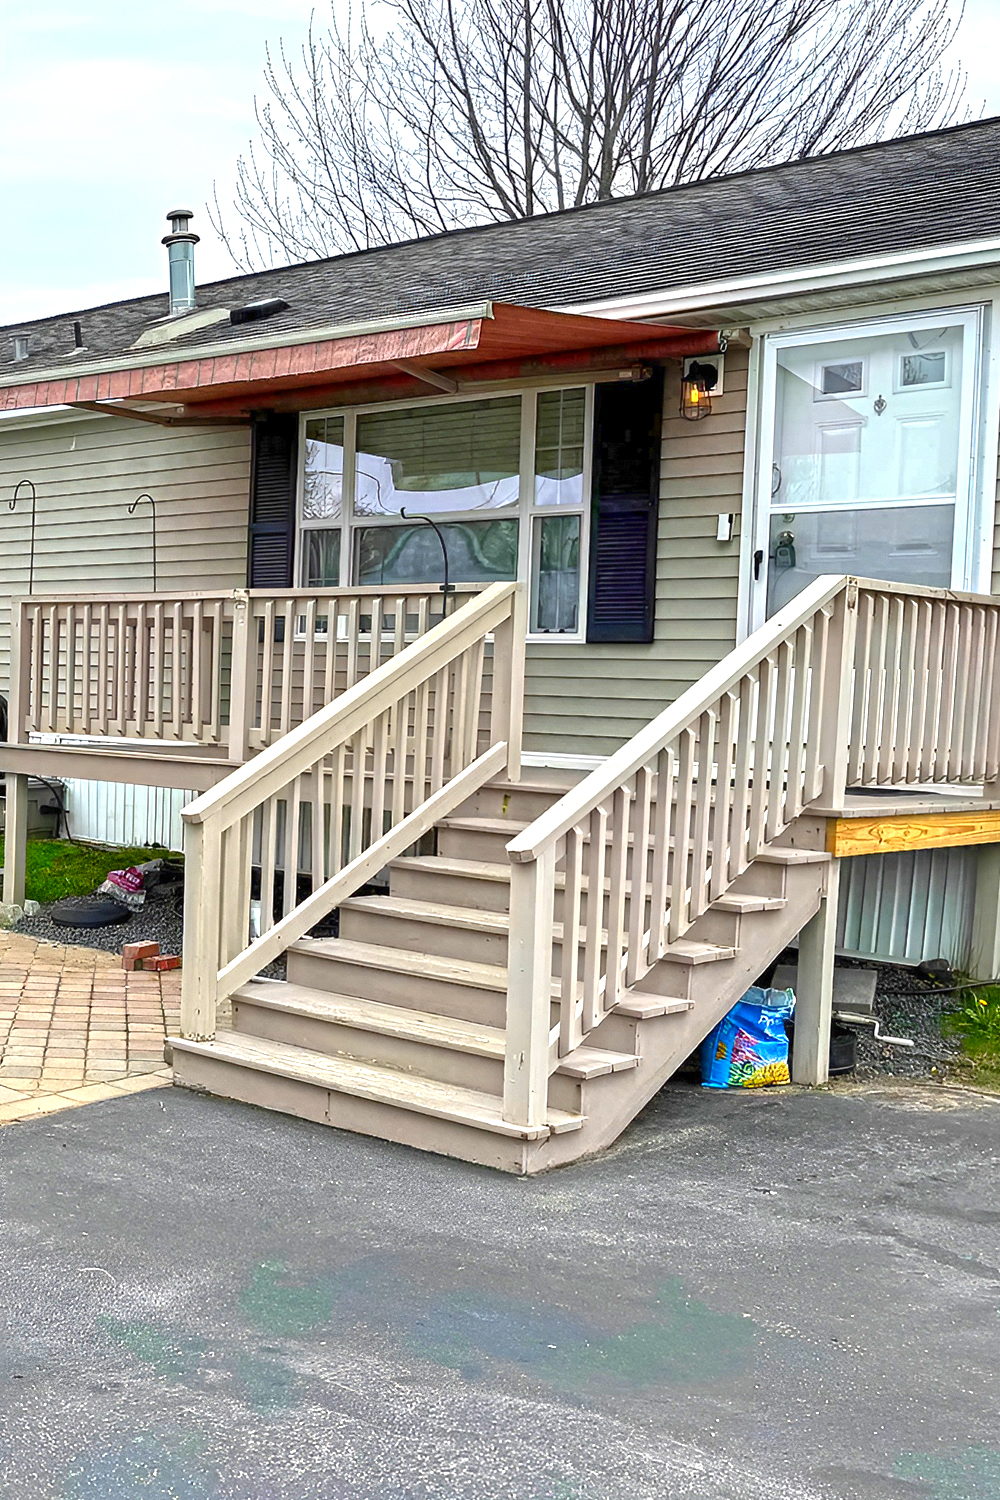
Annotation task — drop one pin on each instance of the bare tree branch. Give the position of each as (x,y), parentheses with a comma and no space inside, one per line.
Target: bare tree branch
(414,116)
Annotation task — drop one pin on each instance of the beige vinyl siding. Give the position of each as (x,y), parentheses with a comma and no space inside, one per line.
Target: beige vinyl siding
(586,700)
(87,474)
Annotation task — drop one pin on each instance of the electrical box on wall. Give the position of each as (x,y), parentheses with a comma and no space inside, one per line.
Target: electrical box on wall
(717,360)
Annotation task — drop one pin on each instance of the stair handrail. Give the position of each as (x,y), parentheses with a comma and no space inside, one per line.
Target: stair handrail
(856,682)
(796,669)
(417,720)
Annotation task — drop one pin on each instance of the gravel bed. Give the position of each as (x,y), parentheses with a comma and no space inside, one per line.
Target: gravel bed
(909,1006)
(159,921)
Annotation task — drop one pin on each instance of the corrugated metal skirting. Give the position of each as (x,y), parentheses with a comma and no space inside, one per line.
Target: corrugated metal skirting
(906,908)
(110,812)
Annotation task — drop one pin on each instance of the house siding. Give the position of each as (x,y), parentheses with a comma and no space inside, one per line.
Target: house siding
(589,699)
(87,474)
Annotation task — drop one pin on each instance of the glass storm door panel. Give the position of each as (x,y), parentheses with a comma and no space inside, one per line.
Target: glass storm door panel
(869,458)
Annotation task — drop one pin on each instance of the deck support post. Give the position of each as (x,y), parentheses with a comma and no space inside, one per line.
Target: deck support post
(15,839)
(814,992)
(529,990)
(984,957)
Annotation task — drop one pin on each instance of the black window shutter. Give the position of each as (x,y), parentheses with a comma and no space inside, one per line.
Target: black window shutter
(627,422)
(273,473)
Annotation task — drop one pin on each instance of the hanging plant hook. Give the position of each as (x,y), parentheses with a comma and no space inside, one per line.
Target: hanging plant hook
(152,511)
(446,587)
(12,504)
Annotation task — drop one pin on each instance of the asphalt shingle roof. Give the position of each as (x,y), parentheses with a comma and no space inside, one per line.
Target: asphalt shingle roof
(917,191)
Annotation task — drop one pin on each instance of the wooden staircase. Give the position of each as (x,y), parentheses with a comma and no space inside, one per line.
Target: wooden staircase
(396,1028)
(521,991)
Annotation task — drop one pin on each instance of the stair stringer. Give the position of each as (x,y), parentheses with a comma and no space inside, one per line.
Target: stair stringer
(611,1102)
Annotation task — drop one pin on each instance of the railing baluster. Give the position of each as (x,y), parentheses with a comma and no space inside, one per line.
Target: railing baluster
(618,871)
(702,814)
(723,797)
(177,670)
(798,727)
(638,941)
(293,831)
(659,896)
(779,733)
(86,666)
(267,651)
(678,921)
(742,777)
(268,841)
(570,1002)
(950,669)
(876,693)
(593,946)
(761,758)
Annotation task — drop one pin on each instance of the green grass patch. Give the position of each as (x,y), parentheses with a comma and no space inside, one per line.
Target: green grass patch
(57,868)
(977,1024)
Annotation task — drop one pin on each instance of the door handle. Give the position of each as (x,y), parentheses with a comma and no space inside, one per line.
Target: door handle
(758,558)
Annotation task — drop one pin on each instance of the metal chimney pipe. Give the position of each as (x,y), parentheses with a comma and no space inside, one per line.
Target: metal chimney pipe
(180,243)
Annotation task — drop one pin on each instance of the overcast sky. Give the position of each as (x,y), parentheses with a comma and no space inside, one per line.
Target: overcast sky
(113,111)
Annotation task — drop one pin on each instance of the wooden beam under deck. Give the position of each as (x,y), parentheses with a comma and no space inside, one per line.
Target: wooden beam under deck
(190,773)
(893,834)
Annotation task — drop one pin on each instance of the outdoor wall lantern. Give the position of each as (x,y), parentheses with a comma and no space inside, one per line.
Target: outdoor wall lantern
(697,384)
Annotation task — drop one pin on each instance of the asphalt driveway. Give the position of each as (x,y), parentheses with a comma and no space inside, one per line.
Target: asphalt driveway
(764,1297)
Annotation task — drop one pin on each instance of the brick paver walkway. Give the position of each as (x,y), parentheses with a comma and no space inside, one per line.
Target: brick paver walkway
(75,1028)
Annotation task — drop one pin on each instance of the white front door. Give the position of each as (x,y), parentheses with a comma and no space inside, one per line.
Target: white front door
(866,456)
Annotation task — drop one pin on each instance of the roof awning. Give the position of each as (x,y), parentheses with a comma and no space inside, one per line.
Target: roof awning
(490,341)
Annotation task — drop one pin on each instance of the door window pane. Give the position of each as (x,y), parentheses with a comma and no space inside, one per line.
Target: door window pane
(555,573)
(323,491)
(559,448)
(459,456)
(901,543)
(478,552)
(868,419)
(322,559)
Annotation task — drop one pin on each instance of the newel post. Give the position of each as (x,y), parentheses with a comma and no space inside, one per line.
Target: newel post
(242,679)
(507,694)
(529,990)
(202,927)
(838,693)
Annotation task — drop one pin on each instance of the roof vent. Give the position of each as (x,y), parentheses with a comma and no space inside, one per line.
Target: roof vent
(252,312)
(180,243)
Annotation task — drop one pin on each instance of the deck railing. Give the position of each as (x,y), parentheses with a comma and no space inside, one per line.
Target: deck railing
(355,784)
(855,683)
(229,671)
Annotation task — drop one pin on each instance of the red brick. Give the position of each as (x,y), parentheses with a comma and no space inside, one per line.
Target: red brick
(166,961)
(134,953)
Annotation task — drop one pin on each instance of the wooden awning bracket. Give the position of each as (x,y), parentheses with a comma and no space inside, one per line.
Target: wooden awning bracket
(161,419)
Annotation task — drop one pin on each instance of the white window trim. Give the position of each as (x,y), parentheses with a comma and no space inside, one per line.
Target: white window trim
(526,512)
(969,561)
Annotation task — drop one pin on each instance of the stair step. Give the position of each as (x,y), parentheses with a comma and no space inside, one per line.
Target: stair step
(644,1007)
(777,856)
(744,904)
(468,918)
(415,1025)
(410,1091)
(510,826)
(475,869)
(403,961)
(686,951)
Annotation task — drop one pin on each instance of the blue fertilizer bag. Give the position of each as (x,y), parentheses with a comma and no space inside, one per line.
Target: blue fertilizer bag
(749,1048)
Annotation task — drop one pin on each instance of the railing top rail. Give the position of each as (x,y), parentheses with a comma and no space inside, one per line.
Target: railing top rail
(177,596)
(602,782)
(923,591)
(173,596)
(369,591)
(269,771)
